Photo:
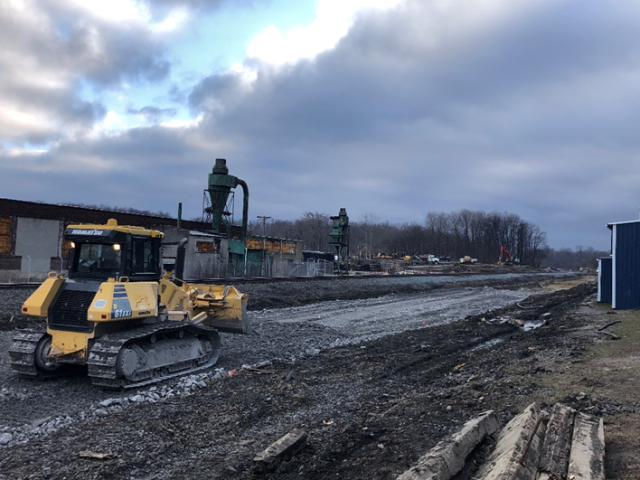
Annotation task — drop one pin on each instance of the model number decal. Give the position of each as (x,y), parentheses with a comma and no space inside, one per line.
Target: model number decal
(121,313)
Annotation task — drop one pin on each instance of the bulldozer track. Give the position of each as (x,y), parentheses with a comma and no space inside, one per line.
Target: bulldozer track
(22,352)
(22,355)
(104,354)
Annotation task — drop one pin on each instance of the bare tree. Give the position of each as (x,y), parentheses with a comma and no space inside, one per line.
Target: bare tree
(568,258)
(314,228)
(368,222)
(455,234)
(481,235)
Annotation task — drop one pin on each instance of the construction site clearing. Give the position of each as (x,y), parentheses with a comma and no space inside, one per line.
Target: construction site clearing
(521,375)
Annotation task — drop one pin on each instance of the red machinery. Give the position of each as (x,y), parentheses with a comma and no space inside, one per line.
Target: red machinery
(504,254)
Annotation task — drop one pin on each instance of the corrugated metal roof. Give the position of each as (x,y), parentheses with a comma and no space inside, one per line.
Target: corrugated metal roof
(50,211)
(610,225)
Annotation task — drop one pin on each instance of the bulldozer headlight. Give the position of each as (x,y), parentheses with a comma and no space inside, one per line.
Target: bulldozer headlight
(116,246)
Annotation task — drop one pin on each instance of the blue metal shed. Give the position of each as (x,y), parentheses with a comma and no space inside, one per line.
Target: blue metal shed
(625,268)
(604,279)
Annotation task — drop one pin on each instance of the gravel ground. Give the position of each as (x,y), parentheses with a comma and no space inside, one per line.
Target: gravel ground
(287,334)
(286,340)
(300,292)
(371,409)
(296,292)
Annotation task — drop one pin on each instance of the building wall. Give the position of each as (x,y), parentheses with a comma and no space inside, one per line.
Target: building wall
(31,242)
(37,237)
(626,266)
(205,255)
(37,242)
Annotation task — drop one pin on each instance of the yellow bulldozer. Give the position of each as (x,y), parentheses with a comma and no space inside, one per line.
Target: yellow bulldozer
(120,318)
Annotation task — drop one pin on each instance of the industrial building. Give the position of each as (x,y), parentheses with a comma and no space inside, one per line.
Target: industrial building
(32,237)
(32,243)
(619,276)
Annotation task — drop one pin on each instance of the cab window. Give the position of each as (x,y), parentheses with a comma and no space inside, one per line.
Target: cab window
(98,258)
(142,260)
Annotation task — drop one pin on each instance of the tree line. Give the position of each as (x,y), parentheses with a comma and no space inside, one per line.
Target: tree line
(455,234)
(573,259)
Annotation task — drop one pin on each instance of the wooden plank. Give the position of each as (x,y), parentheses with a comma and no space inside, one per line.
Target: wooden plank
(282,449)
(448,457)
(518,449)
(557,442)
(5,225)
(5,245)
(5,235)
(586,461)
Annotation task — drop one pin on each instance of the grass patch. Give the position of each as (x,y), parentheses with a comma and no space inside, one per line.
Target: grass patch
(608,369)
(605,380)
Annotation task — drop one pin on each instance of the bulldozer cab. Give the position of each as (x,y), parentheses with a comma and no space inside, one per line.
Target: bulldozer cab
(98,257)
(99,252)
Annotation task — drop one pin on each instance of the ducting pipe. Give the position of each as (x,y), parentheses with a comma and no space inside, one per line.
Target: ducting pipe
(245,207)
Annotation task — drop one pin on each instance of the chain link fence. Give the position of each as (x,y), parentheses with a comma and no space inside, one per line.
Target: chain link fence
(310,268)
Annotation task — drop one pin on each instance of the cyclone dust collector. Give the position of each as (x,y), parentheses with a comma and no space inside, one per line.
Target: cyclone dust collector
(218,192)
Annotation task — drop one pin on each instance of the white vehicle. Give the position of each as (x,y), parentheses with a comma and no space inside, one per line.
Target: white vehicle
(433,260)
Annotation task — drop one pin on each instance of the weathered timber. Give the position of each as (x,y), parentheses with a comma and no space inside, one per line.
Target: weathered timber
(557,443)
(609,324)
(586,461)
(504,463)
(532,435)
(282,449)
(448,457)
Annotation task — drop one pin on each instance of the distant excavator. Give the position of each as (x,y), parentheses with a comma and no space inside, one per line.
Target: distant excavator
(117,316)
(505,257)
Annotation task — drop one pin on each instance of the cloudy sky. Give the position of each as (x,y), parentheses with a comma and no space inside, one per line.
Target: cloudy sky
(391,107)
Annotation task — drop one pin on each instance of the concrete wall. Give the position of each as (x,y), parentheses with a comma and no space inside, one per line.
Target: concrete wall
(203,257)
(206,255)
(38,239)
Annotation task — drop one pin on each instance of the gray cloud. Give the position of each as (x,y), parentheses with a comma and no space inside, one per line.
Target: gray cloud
(104,52)
(416,110)
(515,116)
(51,50)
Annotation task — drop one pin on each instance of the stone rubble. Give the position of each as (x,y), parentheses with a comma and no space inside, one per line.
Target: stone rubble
(184,387)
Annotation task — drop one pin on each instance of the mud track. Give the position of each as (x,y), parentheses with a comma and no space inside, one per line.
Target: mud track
(375,382)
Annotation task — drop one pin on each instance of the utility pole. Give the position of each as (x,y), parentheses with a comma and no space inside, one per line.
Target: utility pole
(264,241)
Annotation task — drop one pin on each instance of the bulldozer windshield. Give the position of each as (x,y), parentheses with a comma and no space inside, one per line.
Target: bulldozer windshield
(99,258)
